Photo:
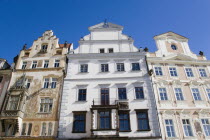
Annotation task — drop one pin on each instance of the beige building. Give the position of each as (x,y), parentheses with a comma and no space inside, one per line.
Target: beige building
(182,88)
(32,102)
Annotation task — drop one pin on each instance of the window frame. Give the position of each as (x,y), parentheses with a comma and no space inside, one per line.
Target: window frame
(165,97)
(110,120)
(158,72)
(43,105)
(189,74)
(34,65)
(187,125)
(124,93)
(204,128)
(174,47)
(175,72)
(57,63)
(100,50)
(111,49)
(104,67)
(133,68)
(46,65)
(79,99)
(198,98)
(142,88)
(127,119)
(79,113)
(208,93)
(121,67)
(175,92)
(170,125)
(85,69)
(203,73)
(24,65)
(147,119)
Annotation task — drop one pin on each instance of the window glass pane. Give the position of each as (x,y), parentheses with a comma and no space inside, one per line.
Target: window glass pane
(196,94)
(79,123)
(143,122)
(158,71)
(104,120)
(202,73)
(189,72)
(135,66)
(122,93)
(139,92)
(29,129)
(120,67)
(179,95)
(82,94)
(44,129)
(163,94)
(170,128)
(23,129)
(187,127)
(124,121)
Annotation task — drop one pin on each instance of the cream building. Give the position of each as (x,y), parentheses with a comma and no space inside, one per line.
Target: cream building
(182,88)
(107,91)
(31,107)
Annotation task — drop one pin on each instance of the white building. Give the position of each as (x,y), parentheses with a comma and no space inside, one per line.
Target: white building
(107,91)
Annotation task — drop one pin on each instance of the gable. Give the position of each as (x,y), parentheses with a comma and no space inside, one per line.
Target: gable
(106,26)
(178,57)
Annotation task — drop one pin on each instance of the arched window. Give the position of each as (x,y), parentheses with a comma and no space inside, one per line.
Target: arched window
(174,47)
(44,129)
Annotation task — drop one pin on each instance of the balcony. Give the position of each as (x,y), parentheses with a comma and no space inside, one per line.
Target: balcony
(12,113)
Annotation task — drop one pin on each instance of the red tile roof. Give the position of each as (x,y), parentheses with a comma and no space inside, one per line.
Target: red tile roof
(68,45)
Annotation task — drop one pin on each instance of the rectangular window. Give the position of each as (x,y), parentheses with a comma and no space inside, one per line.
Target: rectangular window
(101,51)
(13,103)
(44,129)
(104,67)
(124,121)
(104,96)
(46,63)
(23,129)
(29,129)
(44,48)
(24,65)
(169,128)
(202,72)
(79,122)
(84,68)
(82,94)
(139,92)
(179,95)
(208,93)
(206,126)
(46,105)
(50,126)
(189,72)
(158,71)
(28,83)
(187,127)
(173,72)
(196,94)
(122,93)
(54,82)
(104,120)
(46,82)
(135,66)
(120,67)
(142,120)
(163,94)
(34,65)
(111,50)
(57,63)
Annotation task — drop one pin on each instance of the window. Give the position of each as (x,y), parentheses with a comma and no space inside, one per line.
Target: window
(46,82)
(28,83)
(135,66)
(158,71)
(122,93)
(173,71)
(179,95)
(120,67)
(23,129)
(104,67)
(24,65)
(44,129)
(187,127)
(124,121)
(13,103)
(169,128)
(84,68)
(82,95)
(101,51)
(44,48)
(46,105)
(139,92)
(29,129)
(196,94)
(142,120)
(54,82)
(50,125)
(111,50)
(202,73)
(163,94)
(34,65)
(189,72)
(206,126)
(208,92)
(173,47)
(57,63)
(104,120)
(46,63)
(79,122)
(1,78)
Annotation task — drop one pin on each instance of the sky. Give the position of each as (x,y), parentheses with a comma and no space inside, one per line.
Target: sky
(23,21)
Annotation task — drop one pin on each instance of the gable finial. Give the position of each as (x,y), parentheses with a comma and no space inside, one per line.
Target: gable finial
(106,25)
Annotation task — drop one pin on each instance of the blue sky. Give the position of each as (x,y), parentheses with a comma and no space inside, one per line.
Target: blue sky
(23,21)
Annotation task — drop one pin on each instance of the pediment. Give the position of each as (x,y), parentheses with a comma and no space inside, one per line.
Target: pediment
(179,57)
(172,35)
(106,25)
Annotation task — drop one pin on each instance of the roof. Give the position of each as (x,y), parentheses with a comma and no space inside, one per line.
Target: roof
(68,45)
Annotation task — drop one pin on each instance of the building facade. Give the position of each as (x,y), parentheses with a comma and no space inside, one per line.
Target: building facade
(32,104)
(107,91)
(182,88)
(5,75)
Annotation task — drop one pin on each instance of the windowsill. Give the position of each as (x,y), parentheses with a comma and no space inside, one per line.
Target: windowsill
(144,130)
(104,71)
(135,70)
(140,99)
(44,112)
(78,132)
(122,100)
(82,101)
(83,72)
(120,71)
(103,129)
(172,137)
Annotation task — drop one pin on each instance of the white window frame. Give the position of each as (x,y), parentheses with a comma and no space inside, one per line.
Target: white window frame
(26,129)
(204,126)
(46,62)
(179,93)
(201,75)
(158,70)
(121,64)
(47,129)
(208,93)
(188,125)
(50,101)
(173,71)
(34,64)
(196,93)
(28,81)
(52,82)
(8,107)
(170,125)
(80,68)
(104,67)
(25,65)
(190,72)
(56,63)
(165,93)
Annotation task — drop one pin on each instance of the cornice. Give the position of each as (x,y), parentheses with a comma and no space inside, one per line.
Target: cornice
(39,69)
(105,41)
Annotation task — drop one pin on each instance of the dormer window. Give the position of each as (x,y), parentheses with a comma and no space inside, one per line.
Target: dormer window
(174,47)
(44,48)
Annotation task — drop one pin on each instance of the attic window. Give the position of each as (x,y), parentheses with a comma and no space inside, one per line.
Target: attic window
(44,48)
(174,47)
(27,54)
(58,52)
